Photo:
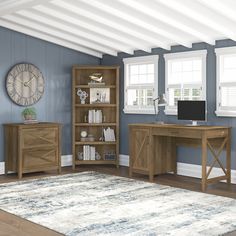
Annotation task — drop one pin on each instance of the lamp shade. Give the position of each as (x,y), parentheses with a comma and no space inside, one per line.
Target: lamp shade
(161,100)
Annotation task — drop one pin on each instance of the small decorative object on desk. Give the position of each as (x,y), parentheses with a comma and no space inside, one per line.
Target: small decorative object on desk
(82,95)
(99,95)
(29,115)
(96,79)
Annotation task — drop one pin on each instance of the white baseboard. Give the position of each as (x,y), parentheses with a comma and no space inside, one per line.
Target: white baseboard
(66,160)
(2,168)
(182,168)
(187,169)
(124,160)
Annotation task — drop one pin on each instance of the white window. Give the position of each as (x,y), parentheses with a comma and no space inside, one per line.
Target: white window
(226,81)
(140,87)
(185,78)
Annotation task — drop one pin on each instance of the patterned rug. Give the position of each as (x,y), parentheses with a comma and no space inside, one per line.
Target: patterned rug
(91,203)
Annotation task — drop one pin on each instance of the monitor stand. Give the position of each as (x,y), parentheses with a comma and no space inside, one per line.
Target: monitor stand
(194,123)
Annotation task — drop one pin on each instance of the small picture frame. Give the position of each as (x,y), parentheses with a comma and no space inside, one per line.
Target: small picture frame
(99,95)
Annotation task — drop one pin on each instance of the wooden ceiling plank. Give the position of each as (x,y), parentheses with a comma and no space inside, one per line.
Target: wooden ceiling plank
(73,6)
(122,9)
(72,18)
(59,34)
(173,18)
(221,16)
(205,13)
(75,31)
(54,40)
(11,6)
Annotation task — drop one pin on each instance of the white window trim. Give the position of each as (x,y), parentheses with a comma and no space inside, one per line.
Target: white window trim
(221,52)
(137,60)
(182,55)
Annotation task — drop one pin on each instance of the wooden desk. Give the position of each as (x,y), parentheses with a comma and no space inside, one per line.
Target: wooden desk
(153,148)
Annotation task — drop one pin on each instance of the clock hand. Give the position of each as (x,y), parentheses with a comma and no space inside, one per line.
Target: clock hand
(19,80)
(31,77)
(27,83)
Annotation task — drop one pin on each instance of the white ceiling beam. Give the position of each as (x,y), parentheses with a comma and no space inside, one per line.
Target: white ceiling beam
(59,34)
(34,16)
(109,21)
(119,9)
(200,11)
(11,6)
(81,22)
(226,8)
(170,17)
(54,40)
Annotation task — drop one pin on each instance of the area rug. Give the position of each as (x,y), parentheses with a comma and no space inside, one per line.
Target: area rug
(91,203)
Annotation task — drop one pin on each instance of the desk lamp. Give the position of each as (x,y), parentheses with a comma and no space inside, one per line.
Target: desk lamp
(161,102)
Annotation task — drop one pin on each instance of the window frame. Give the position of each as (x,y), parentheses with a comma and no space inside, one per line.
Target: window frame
(227,111)
(172,110)
(139,60)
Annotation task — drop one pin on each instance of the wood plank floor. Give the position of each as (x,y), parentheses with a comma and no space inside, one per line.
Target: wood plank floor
(11,225)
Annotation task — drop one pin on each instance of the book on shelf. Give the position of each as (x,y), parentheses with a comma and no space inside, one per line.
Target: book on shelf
(89,153)
(109,135)
(31,121)
(94,116)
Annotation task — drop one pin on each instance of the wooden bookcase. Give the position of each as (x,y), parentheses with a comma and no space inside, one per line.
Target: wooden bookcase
(106,152)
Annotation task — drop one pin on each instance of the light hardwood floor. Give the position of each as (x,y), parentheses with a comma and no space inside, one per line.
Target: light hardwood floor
(11,225)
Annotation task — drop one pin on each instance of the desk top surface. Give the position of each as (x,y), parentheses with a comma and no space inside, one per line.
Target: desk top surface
(178,126)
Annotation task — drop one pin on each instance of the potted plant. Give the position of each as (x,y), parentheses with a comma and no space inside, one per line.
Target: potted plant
(29,113)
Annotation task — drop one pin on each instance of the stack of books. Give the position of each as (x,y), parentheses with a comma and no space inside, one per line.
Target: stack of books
(95,116)
(31,121)
(89,152)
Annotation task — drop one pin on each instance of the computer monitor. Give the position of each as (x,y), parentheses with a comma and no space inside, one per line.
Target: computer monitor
(192,110)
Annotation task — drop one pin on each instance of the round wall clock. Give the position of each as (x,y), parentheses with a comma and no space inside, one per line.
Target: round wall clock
(25,84)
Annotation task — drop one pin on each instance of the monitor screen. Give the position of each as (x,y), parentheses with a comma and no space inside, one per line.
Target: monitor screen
(191,110)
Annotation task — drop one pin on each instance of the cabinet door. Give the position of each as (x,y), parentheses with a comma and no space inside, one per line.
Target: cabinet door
(34,137)
(39,148)
(140,148)
(34,159)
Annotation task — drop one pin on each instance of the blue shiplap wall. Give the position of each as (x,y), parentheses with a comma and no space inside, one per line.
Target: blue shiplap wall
(55,62)
(186,155)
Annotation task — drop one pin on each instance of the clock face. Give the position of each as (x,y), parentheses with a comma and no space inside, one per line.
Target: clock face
(83,133)
(25,84)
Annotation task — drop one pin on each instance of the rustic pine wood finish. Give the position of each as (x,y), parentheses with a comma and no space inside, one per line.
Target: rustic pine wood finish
(32,147)
(80,79)
(153,148)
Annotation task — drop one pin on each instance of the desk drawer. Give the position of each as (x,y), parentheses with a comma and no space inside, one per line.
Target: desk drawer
(38,158)
(39,136)
(172,132)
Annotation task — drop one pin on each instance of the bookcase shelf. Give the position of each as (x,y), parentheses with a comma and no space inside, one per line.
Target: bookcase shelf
(95,143)
(95,124)
(95,105)
(95,86)
(78,162)
(106,152)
